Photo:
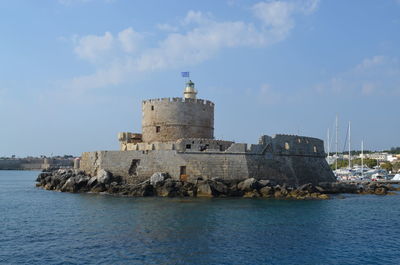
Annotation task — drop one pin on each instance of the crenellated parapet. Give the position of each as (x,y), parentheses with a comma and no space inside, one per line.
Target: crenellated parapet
(282,144)
(181,100)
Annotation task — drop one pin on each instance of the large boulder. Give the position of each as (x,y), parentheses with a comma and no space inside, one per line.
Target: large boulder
(99,187)
(267,191)
(158,178)
(147,190)
(43,175)
(266,182)
(249,184)
(167,189)
(69,186)
(308,187)
(251,194)
(189,189)
(381,190)
(92,182)
(81,182)
(104,177)
(218,188)
(233,191)
(204,189)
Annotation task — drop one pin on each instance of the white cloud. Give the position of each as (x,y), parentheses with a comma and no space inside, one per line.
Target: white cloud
(129,40)
(308,7)
(111,76)
(278,16)
(199,44)
(92,46)
(167,27)
(370,62)
(196,17)
(367,88)
(373,76)
(200,37)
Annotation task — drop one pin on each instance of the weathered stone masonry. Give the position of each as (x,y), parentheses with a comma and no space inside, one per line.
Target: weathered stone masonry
(170,119)
(178,138)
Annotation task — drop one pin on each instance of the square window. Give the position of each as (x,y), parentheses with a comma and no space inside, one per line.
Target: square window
(188,146)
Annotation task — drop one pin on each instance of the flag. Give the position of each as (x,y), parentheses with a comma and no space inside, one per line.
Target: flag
(185,74)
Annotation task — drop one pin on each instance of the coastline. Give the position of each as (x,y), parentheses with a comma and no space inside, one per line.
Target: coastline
(162,185)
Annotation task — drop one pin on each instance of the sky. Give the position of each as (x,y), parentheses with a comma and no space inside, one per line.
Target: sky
(73,73)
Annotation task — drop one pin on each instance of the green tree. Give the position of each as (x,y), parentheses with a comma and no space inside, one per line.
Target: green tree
(340,163)
(387,165)
(396,166)
(367,161)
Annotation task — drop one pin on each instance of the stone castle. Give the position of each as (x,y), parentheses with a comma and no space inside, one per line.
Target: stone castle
(178,138)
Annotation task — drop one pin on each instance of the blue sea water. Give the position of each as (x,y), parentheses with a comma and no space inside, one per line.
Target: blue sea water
(46,227)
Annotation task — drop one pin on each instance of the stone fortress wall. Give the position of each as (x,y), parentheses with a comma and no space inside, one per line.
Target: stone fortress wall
(178,138)
(22,164)
(170,119)
(301,162)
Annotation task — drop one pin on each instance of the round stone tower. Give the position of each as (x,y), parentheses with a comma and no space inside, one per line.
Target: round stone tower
(170,119)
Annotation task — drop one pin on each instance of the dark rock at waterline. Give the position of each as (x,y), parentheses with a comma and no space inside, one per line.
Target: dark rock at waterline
(248,185)
(161,184)
(339,187)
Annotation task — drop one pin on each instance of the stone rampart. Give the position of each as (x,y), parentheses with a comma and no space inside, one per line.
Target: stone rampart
(270,159)
(33,163)
(21,164)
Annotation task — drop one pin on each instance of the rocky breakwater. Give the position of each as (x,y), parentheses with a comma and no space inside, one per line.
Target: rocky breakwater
(160,184)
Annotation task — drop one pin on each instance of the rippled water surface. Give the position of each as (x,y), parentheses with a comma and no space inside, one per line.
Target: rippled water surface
(46,227)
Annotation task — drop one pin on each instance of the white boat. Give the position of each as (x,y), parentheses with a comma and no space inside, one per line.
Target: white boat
(377,174)
(347,174)
(396,177)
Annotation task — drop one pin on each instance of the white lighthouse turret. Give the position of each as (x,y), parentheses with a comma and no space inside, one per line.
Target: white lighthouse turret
(190,91)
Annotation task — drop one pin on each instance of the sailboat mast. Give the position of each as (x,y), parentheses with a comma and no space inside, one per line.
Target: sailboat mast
(349,145)
(336,143)
(362,159)
(328,144)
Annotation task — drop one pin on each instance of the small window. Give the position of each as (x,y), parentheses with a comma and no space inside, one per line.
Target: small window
(152,107)
(133,167)
(287,147)
(188,146)
(315,149)
(158,128)
(182,170)
(299,140)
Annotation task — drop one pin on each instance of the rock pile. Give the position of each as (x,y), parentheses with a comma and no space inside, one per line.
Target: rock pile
(161,184)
